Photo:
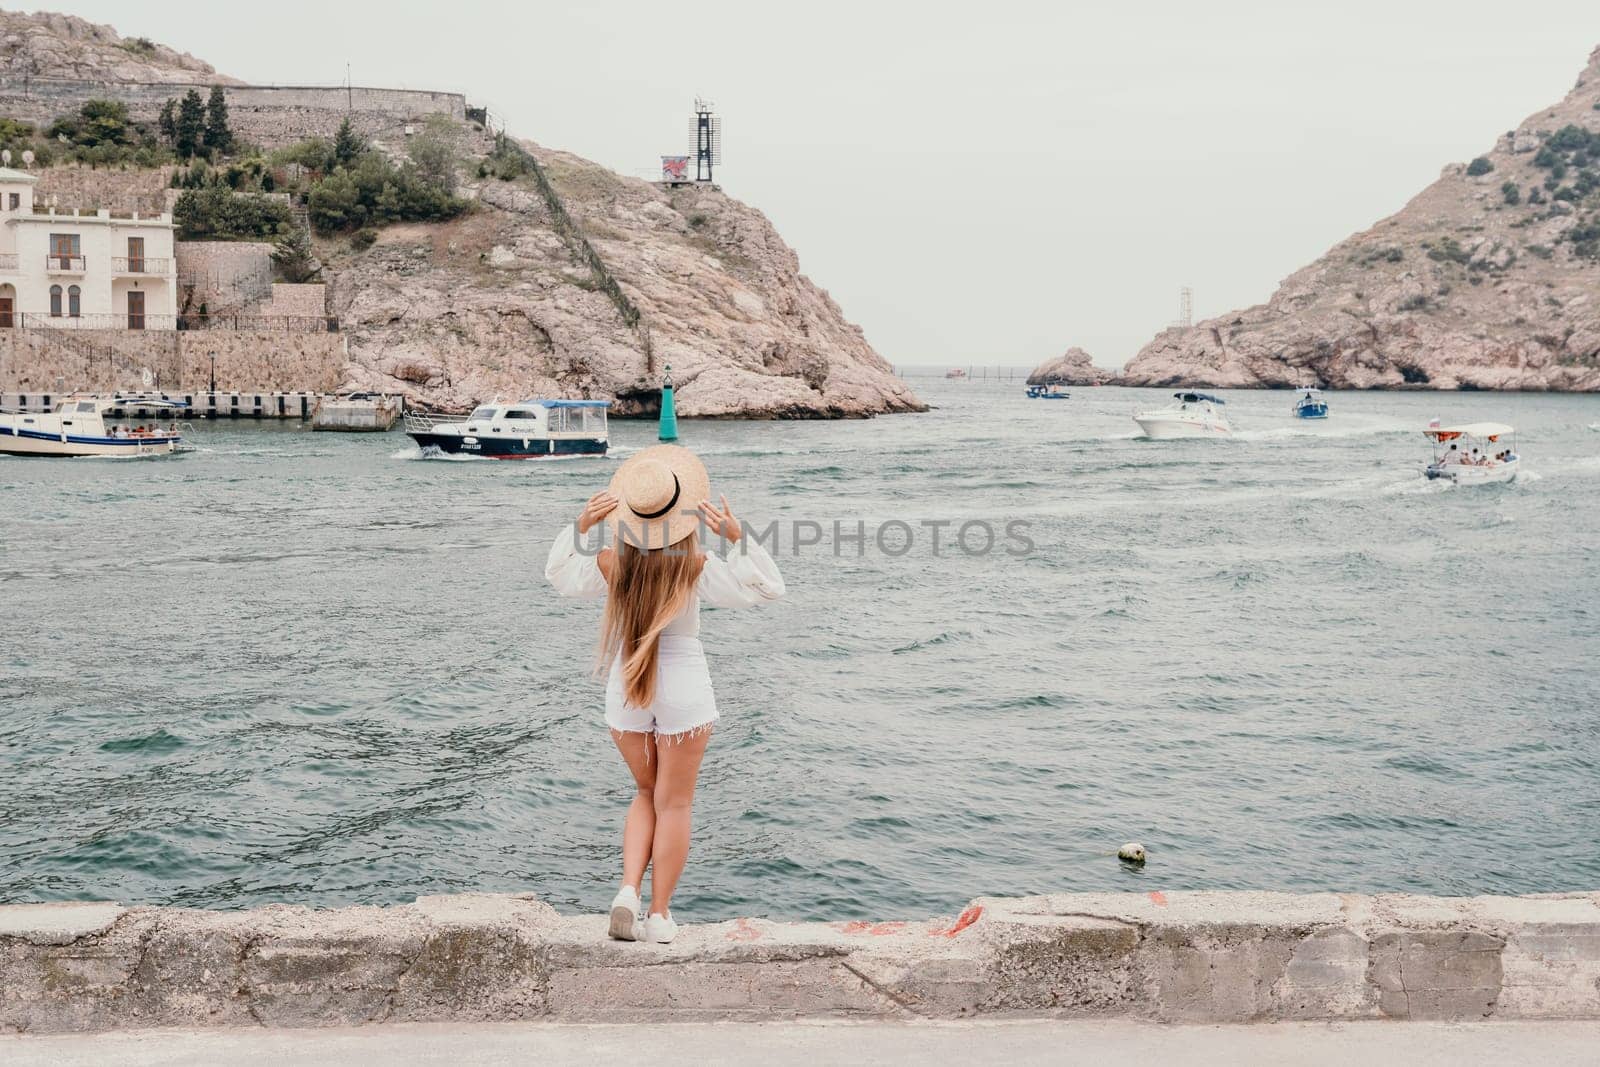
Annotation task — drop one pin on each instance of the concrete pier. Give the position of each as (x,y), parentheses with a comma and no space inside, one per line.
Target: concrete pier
(1166,957)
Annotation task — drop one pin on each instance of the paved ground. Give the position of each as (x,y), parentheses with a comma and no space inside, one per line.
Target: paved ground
(809,1044)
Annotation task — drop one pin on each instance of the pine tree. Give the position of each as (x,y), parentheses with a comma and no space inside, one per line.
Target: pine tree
(168,122)
(346,145)
(190,126)
(217,136)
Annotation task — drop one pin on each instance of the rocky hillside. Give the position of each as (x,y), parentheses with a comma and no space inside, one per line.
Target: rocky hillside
(495,303)
(49,45)
(1489,278)
(501,302)
(1072,367)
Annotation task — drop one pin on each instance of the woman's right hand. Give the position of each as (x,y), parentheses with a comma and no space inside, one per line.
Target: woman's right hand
(599,506)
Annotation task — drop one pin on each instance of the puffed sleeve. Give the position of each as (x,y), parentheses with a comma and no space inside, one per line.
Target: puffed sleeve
(746,578)
(573,573)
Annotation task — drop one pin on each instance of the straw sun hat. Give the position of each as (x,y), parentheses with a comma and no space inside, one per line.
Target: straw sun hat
(658,493)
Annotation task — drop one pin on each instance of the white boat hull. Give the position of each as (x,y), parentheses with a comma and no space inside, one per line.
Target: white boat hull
(1160,426)
(28,443)
(1470,474)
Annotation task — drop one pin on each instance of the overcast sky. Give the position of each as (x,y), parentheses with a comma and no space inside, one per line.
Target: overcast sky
(976,182)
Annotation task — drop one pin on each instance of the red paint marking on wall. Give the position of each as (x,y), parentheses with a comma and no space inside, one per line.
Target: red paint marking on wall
(879,929)
(744,930)
(966,919)
(1158,898)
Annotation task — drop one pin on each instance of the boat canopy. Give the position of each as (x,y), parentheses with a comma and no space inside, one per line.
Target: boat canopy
(1195,398)
(571,403)
(1488,431)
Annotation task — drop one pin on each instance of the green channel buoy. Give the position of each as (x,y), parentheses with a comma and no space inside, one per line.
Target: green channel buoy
(668,427)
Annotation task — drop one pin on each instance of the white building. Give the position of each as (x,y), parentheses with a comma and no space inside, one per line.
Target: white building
(91,271)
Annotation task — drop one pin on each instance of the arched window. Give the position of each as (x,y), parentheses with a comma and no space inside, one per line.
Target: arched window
(74,305)
(55,301)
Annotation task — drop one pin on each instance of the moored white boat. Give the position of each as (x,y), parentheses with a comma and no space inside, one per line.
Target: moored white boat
(1472,453)
(527,429)
(77,427)
(1190,414)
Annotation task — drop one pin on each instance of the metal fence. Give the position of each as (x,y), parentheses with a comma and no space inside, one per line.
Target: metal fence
(262,323)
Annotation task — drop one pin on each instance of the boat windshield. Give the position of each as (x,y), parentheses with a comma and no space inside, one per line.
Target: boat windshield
(486,414)
(578,419)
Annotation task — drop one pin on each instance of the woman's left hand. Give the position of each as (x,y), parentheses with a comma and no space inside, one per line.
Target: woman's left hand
(720,520)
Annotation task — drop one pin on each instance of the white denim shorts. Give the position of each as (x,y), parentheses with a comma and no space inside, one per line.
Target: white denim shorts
(684,700)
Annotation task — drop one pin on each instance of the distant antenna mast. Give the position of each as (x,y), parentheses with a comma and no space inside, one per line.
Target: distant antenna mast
(349,91)
(705,133)
(1185,307)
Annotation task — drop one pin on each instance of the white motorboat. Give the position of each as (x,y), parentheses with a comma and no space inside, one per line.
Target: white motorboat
(1190,414)
(528,429)
(1472,453)
(77,427)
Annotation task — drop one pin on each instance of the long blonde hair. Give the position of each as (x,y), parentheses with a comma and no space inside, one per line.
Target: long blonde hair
(649,588)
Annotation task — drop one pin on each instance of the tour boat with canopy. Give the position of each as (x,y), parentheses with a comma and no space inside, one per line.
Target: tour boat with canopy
(1190,414)
(1473,453)
(77,427)
(1311,405)
(1048,392)
(527,429)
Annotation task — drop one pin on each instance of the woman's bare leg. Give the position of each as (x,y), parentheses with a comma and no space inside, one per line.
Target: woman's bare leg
(678,760)
(639,830)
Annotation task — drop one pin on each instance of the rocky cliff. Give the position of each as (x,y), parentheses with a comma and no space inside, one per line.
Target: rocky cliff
(495,303)
(1072,367)
(1489,279)
(48,45)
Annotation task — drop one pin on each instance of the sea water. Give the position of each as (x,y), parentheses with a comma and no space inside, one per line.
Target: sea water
(317,668)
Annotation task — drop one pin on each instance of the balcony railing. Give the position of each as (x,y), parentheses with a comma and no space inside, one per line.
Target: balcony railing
(140,265)
(124,321)
(55,264)
(9,261)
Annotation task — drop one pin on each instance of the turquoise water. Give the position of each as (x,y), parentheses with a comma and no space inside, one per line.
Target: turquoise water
(309,667)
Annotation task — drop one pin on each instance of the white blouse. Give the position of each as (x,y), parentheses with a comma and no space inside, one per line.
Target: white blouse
(746,578)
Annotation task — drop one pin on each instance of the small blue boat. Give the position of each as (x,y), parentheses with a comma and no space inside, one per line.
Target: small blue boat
(1311,405)
(1048,392)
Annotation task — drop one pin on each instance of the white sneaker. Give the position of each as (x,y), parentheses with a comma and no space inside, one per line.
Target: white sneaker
(660,929)
(625,915)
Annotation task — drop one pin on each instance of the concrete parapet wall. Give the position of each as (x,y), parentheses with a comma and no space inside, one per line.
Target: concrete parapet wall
(1190,957)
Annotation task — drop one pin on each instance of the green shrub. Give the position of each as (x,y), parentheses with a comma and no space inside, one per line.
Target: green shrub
(294,258)
(1566,192)
(1448,250)
(1535,196)
(375,192)
(217,213)
(315,155)
(1511,193)
(1479,166)
(1542,251)
(363,239)
(434,158)
(1414,303)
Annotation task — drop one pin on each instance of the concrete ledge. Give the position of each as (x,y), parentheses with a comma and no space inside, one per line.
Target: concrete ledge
(1179,957)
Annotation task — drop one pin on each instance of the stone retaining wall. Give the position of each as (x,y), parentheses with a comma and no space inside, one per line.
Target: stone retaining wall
(1179,957)
(51,360)
(269,115)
